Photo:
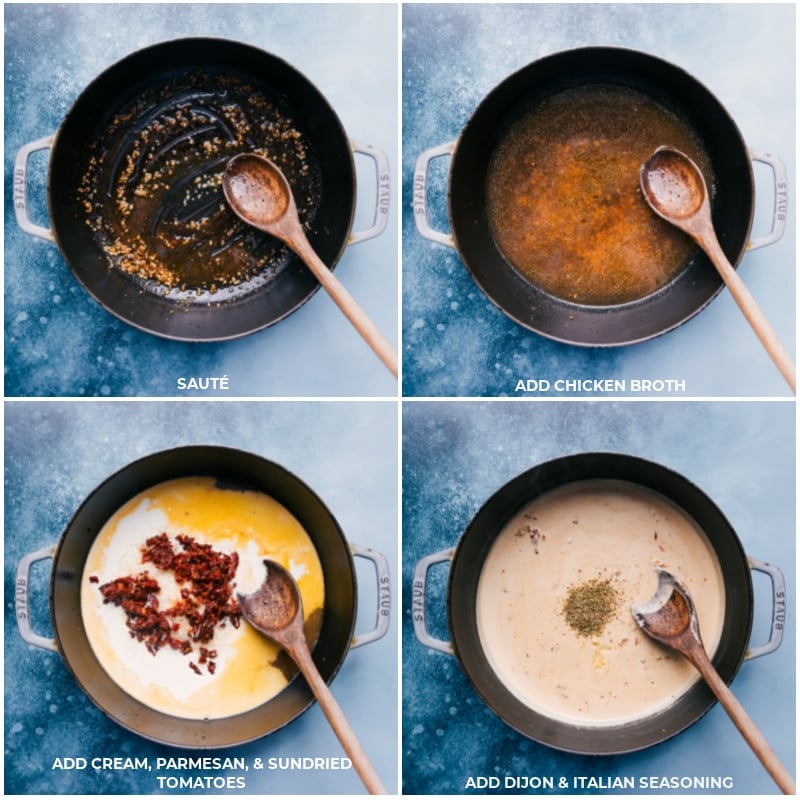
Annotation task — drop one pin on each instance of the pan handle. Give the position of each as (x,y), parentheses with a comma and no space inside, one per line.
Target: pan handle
(21,188)
(381,218)
(384,595)
(421,194)
(21,598)
(778,609)
(419,592)
(780,209)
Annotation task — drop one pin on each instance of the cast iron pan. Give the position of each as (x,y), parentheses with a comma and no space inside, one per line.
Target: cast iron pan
(478,539)
(631,322)
(188,315)
(232,468)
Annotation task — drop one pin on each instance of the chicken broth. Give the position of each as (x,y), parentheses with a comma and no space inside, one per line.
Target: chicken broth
(563,197)
(171,664)
(554,596)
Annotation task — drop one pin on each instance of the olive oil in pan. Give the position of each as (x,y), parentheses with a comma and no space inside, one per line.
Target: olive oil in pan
(153,188)
(564,202)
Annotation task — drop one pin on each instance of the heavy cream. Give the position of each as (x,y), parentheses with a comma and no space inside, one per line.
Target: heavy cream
(589,533)
(249,523)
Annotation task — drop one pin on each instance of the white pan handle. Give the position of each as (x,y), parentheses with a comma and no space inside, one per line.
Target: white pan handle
(778,608)
(419,591)
(22,600)
(780,209)
(383,192)
(421,193)
(21,188)
(384,601)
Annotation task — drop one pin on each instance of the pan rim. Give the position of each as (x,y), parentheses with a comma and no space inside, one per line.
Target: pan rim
(603,740)
(599,326)
(126,297)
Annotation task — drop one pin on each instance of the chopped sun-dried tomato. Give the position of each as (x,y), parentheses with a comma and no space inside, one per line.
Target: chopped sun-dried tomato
(207,600)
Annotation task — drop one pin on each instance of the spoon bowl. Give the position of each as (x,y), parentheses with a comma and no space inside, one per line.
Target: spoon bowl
(674,187)
(670,614)
(254,183)
(276,605)
(276,610)
(670,617)
(258,193)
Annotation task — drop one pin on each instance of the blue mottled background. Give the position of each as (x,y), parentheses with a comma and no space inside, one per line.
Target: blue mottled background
(456,455)
(60,342)
(455,341)
(57,453)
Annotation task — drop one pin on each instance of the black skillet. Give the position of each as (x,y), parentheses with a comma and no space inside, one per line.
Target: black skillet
(233,469)
(189,315)
(558,319)
(467,561)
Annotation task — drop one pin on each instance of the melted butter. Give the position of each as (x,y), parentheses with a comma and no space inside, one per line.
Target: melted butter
(563,197)
(593,529)
(250,668)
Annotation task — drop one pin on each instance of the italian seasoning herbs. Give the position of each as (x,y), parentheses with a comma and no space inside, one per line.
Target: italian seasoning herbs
(590,606)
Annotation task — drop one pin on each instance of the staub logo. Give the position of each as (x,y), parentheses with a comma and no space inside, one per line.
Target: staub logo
(21,599)
(19,188)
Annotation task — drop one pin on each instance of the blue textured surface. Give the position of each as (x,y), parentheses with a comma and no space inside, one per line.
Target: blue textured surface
(456,455)
(57,453)
(455,341)
(60,342)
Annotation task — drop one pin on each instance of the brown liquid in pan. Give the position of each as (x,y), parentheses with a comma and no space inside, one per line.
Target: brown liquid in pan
(153,190)
(564,202)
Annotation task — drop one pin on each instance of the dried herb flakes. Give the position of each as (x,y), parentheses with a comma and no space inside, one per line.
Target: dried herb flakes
(590,606)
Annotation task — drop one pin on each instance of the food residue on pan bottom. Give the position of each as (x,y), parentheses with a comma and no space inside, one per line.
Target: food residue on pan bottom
(554,618)
(205,528)
(152,191)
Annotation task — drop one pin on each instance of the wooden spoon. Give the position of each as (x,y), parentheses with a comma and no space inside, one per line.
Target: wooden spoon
(259,193)
(669,617)
(276,610)
(675,189)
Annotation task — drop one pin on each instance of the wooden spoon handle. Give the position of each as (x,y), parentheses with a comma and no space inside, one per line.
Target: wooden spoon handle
(360,321)
(753,314)
(338,721)
(753,736)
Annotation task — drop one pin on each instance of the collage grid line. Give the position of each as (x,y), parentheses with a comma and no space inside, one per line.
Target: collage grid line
(578,397)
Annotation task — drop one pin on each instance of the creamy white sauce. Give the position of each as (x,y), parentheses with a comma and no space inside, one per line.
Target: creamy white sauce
(249,523)
(605,530)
